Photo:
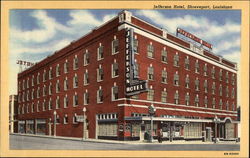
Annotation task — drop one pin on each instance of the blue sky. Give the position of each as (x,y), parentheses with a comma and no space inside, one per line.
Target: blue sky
(35,34)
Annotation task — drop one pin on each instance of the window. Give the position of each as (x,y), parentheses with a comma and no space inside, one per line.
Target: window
(176,59)
(75,81)
(38,106)
(28,82)
(74,119)
(66,85)
(86,78)
(32,81)
(65,101)
(176,97)
(44,104)
(136,69)
(205,70)
(187,81)
(37,78)
(164,58)
(233,79)
(221,104)
(150,50)
(100,73)
(164,95)
(38,92)
(164,76)
(50,73)
(150,72)
(57,119)
(213,88)
(233,106)
(57,70)
(227,77)
(100,52)
(150,94)
(187,63)
(50,88)
(32,107)
(227,105)
(115,46)
(23,84)
(57,86)
(197,67)
(32,94)
(86,97)
(28,95)
(66,66)
(205,86)
(187,99)
(196,100)
(114,69)
(213,103)
(176,79)
(205,101)
(220,75)
(65,119)
(44,75)
(136,44)
(213,72)
(220,90)
(27,108)
(100,95)
(227,92)
(19,86)
(86,58)
(44,90)
(23,109)
(75,63)
(233,93)
(114,92)
(197,84)
(50,104)
(57,102)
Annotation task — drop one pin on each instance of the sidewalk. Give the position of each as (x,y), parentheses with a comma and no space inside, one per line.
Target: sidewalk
(125,142)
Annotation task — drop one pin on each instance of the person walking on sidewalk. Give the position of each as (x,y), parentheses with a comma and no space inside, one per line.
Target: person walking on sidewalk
(160,135)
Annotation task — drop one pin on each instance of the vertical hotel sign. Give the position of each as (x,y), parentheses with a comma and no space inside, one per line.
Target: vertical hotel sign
(133,84)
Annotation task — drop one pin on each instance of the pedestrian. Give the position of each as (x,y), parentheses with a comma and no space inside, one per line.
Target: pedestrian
(160,135)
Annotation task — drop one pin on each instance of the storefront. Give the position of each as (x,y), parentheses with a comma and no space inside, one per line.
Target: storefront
(41,126)
(30,127)
(21,126)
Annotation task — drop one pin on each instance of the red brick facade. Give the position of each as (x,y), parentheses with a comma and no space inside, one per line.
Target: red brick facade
(124,106)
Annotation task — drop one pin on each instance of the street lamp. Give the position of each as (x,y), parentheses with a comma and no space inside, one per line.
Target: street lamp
(216,120)
(84,123)
(54,123)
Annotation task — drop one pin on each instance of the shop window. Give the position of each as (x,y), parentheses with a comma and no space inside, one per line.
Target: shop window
(150,51)
(187,99)
(75,62)
(86,58)
(176,59)
(150,73)
(176,79)
(187,63)
(100,52)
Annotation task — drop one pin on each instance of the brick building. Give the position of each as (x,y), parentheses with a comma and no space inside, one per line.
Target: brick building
(115,73)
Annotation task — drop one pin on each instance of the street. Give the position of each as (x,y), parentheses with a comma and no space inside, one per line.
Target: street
(18,142)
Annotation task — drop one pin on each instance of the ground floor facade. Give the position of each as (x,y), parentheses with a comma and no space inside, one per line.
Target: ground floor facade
(130,120)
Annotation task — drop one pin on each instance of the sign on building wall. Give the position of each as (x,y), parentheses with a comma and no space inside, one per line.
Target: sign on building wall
(194,38)
(79,118)
(133,84)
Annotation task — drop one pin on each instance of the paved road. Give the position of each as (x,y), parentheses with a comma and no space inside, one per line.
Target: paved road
(36,143)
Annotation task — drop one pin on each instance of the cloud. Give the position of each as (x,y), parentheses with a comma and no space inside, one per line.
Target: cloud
(227,45)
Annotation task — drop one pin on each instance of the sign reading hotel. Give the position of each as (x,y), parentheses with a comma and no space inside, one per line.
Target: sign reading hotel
(193,37)
(133,84)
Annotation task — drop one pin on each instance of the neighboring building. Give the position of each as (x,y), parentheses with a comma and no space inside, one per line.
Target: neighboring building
(105,70)
(13,113)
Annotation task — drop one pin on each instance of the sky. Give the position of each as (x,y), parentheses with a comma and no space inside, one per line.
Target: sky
(36,34)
